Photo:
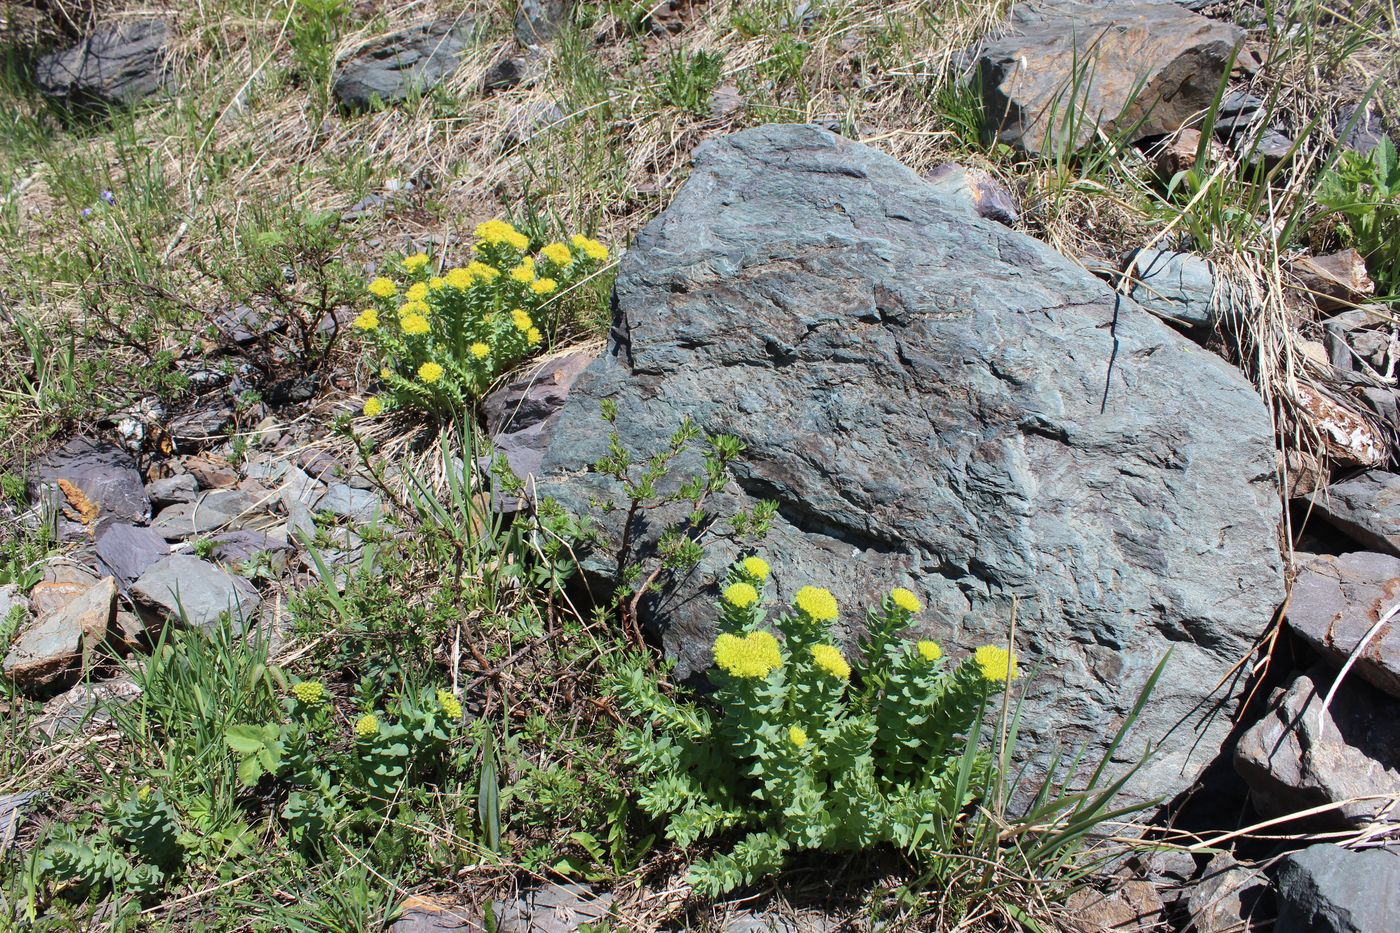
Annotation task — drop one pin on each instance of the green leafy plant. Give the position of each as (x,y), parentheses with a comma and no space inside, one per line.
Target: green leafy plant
(138,850)
(687,81)
(315,28)
(804,751)
(440,343)
(1362,193)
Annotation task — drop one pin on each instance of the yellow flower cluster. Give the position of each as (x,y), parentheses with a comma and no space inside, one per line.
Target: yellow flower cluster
(458,278)
(998,665)
(415,262)
(525,272)
(756,568)
(368,319)
(521,320)
(449,704)
(430,372)
(480,350)
(480,270)
(374,407)
(829,659)
(383,288)
(929,650)
(740,595)
(366,726)
(816,603)
(751,656)
(558,254)
(797,736)
(497,232)
(309,691)
(905,600)
(543,286)
(591,248)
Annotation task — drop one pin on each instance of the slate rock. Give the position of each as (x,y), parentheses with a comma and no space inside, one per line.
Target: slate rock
(217,510)
(202,591)
(538,21)
(211,471)
(392,67)
(75,566)
(49,596)
(1359,338)
(11,599)
(987,196)
(1298,757)
(1337,600)
(1177,287)
(1151,68)
(238,547)
(104,473)
(426,915)
(1366,130)
(923,394)
(1334,281)
(1328,889)
(1229,897)
(51,653)
(172,490)
(504,74)
(126,551)
(1128,904)
(769,921)
(85,707)
(520,415)
(12,809)
(201,427)
(1365,507)
(553,908)
(117,65)
(360,506)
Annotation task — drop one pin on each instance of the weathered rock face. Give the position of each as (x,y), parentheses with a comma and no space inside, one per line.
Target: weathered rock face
(941,403)
(104,474)
(183,587)
(520,415)
(117,64)
(1328,889)
(390,68)
(1365,507)
(1148,68)
(1336,602)
(50,654)
(1299,757)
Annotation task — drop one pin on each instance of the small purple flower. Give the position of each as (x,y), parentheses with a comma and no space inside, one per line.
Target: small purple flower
(87,212)
(109,198)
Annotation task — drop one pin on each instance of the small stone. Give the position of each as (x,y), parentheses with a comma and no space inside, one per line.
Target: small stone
(104,473)
(1228,898)
(50,596)
(12,807)
(67,569)
(426,915)
(1359,338)
(1366,507)
(1335,281)
(1328,889)
(987,196)
(127,550)
(236,547)
(1177,287)
(390,68)
(219,510)
(538,21)
(1337,600)
(1298,757)
(504,74)
(245,325)
(553,908)
(363,208)
(1265,150)
(1238,111)
(212,471)
(1366,131)
(85,707)
(172,490)
(1128,904)
(360,506)
(725,101)
(118,64)
(520,415)
(1178,152)
(184,587)
(11,599)
(53,651)
(202,427)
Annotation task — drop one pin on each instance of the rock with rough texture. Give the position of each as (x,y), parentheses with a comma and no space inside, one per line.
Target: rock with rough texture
(538,21)
(1328,889)
(87,706)
(201,427)
(217,510)
(520,415)
(1335,281)
(1365,507)
(12,601)
(125,551)
(1228,897)
(392,67)
(12,807)
(1177,287)
(183,587)
(1299,756)
(52,652)
(1338,600)
(553,908)
(986,195)
(360,506)
(1360,338)
(1145,69)
(173,490)
(118,65)
(425,915)
(104,475)
(1128,904)
(937,402)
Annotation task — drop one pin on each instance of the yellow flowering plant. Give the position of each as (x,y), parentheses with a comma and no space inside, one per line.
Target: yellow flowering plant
(438,340)
(807,746)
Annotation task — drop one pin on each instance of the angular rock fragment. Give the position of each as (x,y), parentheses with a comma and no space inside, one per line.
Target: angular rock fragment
(1338,600)
(1328,889)
(52,652)
(392,67)
(118,64)
(184,588)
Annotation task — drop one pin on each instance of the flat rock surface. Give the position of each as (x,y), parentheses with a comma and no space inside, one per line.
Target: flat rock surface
(125,551)
(520,415)
(217,510)
(183,586)
(1328,889)
(392,67)
(937,402)
(1144,68)
(119,63)
(85,707)
(53,650)
(1299,756)
(1365,507)
(104,473)
(1338,600)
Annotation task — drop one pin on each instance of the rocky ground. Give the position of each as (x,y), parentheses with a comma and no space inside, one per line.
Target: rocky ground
(1076,319)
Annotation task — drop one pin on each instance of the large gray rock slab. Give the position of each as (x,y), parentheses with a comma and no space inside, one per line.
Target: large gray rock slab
(118,64)
(1365,507)
(1338,600)
(392,67)
(126,551)
(52,652)
(938,402)
(1145,69)
(105,474)
(520,415)
(1299,757)
(217,510)
(183,587)
(1328,889)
